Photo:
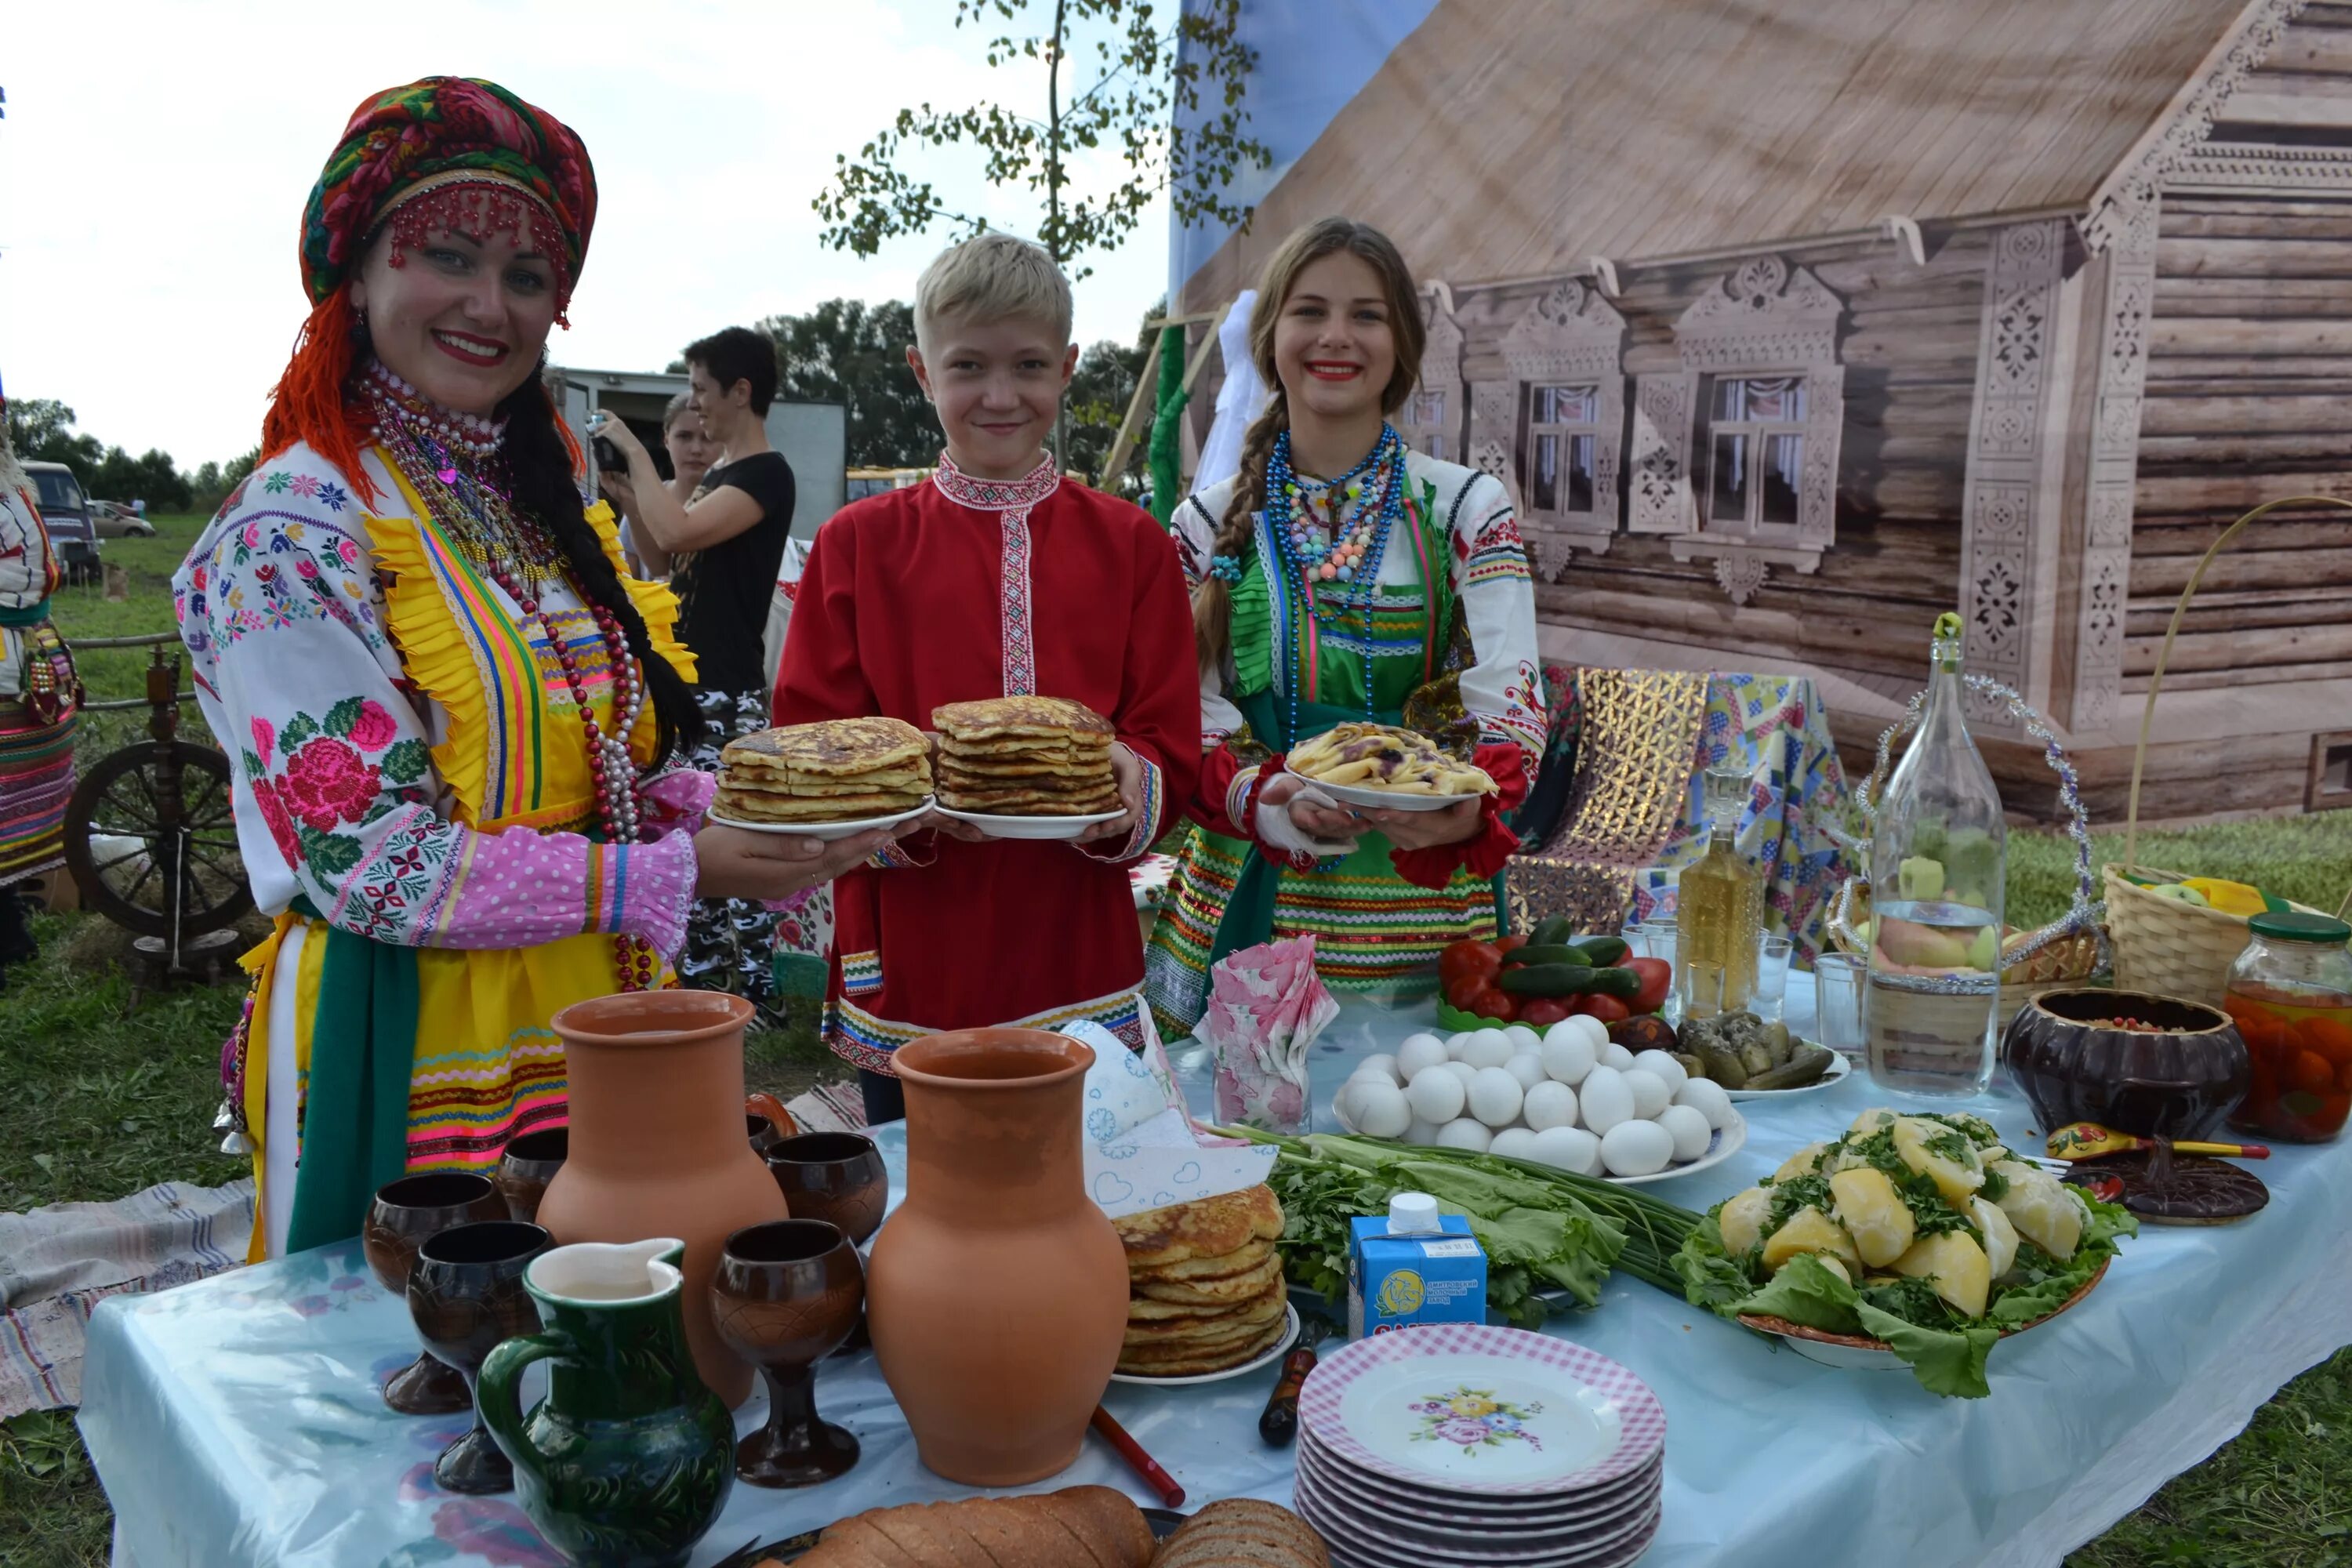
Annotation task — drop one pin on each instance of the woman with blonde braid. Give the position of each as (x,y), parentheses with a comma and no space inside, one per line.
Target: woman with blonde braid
(1341,576)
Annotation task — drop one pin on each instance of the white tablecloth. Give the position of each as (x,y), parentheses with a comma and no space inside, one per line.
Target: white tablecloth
(236,1420)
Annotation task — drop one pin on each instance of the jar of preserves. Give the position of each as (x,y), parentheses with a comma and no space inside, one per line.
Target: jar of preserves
(2291,993)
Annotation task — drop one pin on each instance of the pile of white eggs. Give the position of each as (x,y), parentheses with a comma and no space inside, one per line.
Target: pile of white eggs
(1570,1098)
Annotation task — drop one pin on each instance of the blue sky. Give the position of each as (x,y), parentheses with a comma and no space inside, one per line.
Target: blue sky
(155,157)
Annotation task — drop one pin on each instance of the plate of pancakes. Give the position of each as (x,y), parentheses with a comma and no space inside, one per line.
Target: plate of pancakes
(1026,767)
(1205,1294)
(830,779)
(1388,768)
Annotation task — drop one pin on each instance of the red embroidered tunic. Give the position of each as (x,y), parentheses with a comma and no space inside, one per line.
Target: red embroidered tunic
(961,589)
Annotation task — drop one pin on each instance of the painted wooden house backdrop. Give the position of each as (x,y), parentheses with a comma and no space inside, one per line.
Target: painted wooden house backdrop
(1791,326)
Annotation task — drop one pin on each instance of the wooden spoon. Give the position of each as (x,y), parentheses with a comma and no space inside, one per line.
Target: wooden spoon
(2089,1141)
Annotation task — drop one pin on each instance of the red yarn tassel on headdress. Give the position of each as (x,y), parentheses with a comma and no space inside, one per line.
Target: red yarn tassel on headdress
(309,403)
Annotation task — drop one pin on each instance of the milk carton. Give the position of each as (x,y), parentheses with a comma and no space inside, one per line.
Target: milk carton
(1416,1266)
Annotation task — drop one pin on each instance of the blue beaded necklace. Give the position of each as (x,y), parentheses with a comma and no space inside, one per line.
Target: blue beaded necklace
(1353,556)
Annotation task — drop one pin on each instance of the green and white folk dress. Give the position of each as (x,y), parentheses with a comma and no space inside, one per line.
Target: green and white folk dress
(1449,649)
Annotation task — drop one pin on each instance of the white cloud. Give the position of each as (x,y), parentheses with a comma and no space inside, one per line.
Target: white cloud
(155,158)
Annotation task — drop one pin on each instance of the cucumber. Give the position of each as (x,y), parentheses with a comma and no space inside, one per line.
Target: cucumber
(1805,1065)
(1601,952)
(1548,979)
(1569,980)
(1551,952)
(1551,931)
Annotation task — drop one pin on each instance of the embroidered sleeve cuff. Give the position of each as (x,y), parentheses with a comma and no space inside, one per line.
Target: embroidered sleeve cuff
(651,888)
(911,853)
(1147,818)
(1482,855)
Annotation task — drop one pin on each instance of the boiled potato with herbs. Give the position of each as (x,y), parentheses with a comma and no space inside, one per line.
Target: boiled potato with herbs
(1741,1220)
(1869,1121)
(1957,1178)
(1955,1265)
(1810,1230)
(2000,1237)
(1874,1214)
(1803,1163)
(2044,1210)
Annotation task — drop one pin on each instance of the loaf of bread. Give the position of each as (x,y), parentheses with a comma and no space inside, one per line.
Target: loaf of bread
(1077,1527)
(1243,1532)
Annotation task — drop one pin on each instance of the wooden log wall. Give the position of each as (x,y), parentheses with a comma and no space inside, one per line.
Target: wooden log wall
(1909,342)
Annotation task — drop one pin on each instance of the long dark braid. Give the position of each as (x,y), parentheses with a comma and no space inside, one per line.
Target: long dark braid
(1213,601)
(539,464)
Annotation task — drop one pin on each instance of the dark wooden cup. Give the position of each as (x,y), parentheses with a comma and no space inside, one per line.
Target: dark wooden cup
(764,1135)
(785,1296)
(529,1163)
(404,1215)
(466,1294)
(837,1178)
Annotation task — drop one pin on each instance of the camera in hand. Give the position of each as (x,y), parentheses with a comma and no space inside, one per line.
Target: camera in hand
(608,457)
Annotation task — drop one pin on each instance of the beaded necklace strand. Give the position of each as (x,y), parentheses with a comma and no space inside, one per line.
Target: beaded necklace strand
(455,462)
(1353,556)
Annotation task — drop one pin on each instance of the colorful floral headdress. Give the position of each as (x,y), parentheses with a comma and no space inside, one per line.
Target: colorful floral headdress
(442,149)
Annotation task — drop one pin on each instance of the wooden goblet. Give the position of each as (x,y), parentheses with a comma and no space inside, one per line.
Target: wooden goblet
(404,1215)
(529,1163)
(466,1294)
(786,1295)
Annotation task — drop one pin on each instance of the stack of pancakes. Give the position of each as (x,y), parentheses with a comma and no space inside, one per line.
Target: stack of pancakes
(837,770)
(1205,1284)
(1024,757)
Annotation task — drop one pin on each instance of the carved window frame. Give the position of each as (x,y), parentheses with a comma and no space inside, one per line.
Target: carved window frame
(1568,335)
(1764,319)
(1440,376)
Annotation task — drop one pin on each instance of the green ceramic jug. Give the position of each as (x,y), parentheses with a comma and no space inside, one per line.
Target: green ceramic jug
(628,1460)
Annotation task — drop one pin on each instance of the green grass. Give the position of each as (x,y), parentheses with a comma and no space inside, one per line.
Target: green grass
(2306,859)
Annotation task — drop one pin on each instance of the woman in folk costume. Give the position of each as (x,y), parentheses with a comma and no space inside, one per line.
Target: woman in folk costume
(1343,577)
(451,717)
(38,698)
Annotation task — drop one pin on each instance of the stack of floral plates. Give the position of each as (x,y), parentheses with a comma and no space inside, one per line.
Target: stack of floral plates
(1460,1445)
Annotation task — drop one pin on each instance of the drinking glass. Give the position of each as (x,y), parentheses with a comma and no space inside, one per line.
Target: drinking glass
(1837,1002)
(1654,937)
(1771,976)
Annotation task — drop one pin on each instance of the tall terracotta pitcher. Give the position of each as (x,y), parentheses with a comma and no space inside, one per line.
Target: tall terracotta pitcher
(658,1145)
(997,1294)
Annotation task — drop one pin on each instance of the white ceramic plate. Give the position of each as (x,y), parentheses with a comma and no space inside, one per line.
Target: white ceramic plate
(827,831)
(1482,1411)
(1839,1066)
(1028,826)
(1383,799)
(1281,1346)
(1451,1515)
(1380,1542)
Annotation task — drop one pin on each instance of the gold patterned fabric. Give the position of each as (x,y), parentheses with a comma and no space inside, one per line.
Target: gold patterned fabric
(1638,741)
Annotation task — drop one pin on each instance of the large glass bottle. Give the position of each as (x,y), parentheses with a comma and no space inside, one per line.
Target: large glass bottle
(1718,908)
(1936,893)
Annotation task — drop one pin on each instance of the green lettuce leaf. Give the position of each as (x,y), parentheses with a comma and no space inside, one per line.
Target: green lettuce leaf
(1806,1292)
(1946,1361)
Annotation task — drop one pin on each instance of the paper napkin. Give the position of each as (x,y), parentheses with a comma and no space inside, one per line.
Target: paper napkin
(1266,1006)
(1141,1151)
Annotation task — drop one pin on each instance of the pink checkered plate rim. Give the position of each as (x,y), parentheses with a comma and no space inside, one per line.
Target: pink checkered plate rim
(1396,1505)
(1367,1540)
(1481,1410)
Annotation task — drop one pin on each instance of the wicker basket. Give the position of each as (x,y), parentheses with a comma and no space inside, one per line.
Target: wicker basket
(2066,965)
(2165,945)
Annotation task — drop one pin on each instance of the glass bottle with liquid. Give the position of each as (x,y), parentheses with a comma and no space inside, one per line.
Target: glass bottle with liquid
(1718,908)
(1937,865)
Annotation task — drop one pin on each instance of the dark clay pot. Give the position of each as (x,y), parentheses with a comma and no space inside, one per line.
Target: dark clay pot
(2176,1084)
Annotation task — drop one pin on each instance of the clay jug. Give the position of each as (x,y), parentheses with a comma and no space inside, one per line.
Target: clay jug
(658,1145)
(997,1293)
(628,1459)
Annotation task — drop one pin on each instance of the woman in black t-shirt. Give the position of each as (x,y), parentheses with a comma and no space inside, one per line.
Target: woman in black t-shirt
(725,546)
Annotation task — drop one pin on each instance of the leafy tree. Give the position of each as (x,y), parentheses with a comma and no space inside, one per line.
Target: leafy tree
(40,429)
(851,352)
(211,483)
(1145,76)
(1099,394)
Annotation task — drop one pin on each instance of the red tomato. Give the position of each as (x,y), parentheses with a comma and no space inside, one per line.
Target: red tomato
(1499,1004)
(1483,959)
(2312,1073)
(1466,989)
(2326,1038)
(1510,943)
(1542,1012)
(1658,978)
(1608,1009)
